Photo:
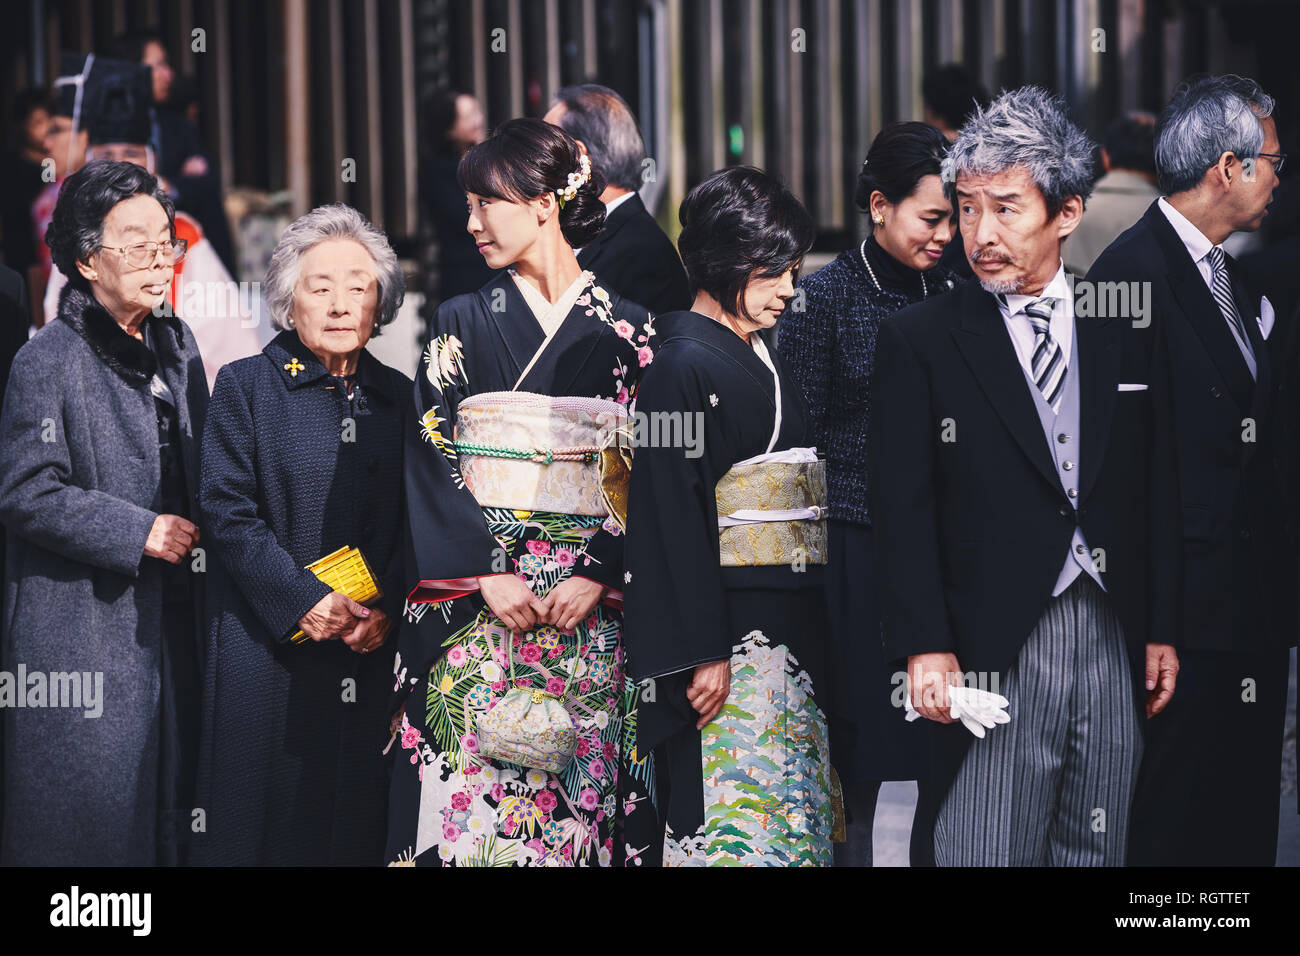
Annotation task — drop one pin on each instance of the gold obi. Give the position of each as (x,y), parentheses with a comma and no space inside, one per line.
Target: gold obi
(760,492)
(531,452)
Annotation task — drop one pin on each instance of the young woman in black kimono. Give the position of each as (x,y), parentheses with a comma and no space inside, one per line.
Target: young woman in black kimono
(517,573)
(726,546)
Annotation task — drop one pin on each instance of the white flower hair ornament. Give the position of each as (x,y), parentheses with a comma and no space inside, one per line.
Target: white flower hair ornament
(576,181)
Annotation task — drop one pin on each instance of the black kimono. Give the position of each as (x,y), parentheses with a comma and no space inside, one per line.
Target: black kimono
(751,788)
(448,804)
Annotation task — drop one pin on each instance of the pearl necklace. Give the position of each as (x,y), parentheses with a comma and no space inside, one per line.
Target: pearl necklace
(862,251)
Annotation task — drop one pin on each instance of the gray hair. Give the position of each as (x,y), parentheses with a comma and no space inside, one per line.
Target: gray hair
(1025,127)
(604,122)
(1206,118)
(336,221)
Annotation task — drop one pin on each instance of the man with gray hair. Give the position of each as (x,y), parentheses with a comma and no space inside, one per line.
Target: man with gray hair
(1010,443)
(631,253)
(1209,788)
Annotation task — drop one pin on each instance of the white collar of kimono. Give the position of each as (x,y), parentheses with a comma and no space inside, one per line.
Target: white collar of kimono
(549,315)
(760,347)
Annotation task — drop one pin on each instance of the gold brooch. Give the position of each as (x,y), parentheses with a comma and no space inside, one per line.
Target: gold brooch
(294,367)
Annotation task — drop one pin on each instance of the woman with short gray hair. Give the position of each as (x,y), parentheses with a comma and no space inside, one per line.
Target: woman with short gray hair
(303,459)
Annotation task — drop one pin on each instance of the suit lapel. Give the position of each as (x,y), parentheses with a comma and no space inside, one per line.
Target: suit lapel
(1200,309)
(1248,307)
(986,347)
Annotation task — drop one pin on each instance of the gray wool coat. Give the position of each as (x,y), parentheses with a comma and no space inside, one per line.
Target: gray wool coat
(79,484)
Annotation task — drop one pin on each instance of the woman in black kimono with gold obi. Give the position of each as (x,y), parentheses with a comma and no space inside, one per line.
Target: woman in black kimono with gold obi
(517,565)
(726,547)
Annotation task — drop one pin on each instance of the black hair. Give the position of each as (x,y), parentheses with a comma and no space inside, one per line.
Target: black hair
(899,157)
(76,230)
(603,121)
(20,110)
(527,158)
(952,94)
(440,116)
(130,46)
(1130,142)
(737,223)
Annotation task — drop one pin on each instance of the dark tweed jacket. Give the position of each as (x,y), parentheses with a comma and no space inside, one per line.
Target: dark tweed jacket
(829,346)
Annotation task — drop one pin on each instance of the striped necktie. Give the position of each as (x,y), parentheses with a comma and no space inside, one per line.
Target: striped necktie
(1048,363)
(1221,287)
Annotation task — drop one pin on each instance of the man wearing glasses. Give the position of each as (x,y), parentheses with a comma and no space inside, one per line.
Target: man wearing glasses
(1208,789)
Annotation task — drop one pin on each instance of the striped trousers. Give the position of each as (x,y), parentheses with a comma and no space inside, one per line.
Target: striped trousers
(1054,786)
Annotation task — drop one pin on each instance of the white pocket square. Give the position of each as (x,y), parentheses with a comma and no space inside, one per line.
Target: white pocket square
(1129,387)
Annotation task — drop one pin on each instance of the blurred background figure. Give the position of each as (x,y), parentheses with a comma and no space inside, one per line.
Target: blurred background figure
(631,253)
(455,122)
(99,534)
(179,154)
(950,96)
(1122,194)
(225,319)
(65,143)
(21,171)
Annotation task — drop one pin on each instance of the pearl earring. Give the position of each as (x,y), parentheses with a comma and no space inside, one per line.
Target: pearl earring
(878,219)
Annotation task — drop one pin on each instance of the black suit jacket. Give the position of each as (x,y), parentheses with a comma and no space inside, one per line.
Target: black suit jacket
(972,525)
(634,257)
(1238,541)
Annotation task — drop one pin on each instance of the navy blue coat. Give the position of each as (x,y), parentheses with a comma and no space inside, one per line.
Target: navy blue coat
(292,769)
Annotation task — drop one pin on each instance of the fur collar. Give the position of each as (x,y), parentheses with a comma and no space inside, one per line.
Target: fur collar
(124,354)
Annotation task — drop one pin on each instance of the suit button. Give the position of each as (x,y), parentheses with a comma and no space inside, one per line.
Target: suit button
(1064,512)
(1063,438)
(1067,465)
(1080,549)
(1072,493)
(1216,392)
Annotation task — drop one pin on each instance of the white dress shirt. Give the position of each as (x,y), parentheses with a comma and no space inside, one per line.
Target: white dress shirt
(1021,329)
(1198,247)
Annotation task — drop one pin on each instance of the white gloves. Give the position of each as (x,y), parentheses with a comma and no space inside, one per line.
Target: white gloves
(977,709)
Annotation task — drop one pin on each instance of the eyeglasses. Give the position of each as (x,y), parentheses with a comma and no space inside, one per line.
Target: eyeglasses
(141,255)
(1277,159)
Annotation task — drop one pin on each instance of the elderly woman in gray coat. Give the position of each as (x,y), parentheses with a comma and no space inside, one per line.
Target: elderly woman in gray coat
(98,481)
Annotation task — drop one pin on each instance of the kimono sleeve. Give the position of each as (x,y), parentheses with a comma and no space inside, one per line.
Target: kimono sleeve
(450,542)
(674,605)
(279,590)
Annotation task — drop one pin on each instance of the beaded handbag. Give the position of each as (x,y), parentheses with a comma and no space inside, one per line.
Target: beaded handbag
(530,727)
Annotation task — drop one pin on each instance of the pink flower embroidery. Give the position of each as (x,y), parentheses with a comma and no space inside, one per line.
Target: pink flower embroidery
(597,768)
(584,748)
(564,557)
(450,832)
(460,800)
(456,655)
(644,355)
(588,799)
(497,792)
(610,750)
(499,686)
(622,397)
(624,329)
(555,686)
(584,686)
(530,653)
(469,743)
(539,547)
(555,652)
(546,801)
(410,737)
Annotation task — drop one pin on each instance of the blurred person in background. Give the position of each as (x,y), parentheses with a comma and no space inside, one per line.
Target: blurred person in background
(949,95)
(181,159)
(829,346)
(454,123)
(226,320)
(99,451)
(66,141)
(302,456)
(631,252)
(1122,194)
(22,172)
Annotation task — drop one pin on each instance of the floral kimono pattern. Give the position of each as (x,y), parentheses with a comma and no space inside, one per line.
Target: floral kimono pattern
(449,804)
